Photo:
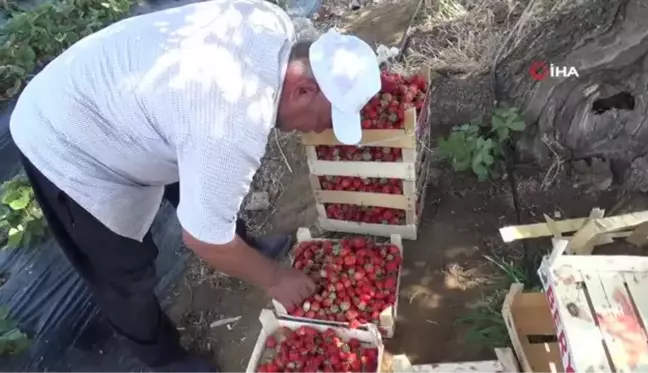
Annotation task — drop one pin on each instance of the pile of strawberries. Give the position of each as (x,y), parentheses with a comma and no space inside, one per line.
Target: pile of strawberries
(309,350)
(365,214)
(386,110)
(356,279)
(358,154)
(359,184)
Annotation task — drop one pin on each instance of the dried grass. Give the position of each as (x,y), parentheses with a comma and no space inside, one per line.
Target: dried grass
(465,36)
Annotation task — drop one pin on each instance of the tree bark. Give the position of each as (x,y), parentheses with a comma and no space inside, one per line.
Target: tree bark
(607,42)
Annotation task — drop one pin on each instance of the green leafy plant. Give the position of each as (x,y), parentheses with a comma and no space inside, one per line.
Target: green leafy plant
(478,146)
(21,219)
(12,340)
(486,325)
(33,38)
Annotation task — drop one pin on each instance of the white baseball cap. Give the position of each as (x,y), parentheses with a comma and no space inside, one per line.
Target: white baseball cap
(346,70)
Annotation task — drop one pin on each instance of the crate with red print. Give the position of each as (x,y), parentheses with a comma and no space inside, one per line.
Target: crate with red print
(357,281)
(377,187)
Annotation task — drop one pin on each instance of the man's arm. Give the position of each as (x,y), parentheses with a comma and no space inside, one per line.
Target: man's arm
(237,259)
(216,170)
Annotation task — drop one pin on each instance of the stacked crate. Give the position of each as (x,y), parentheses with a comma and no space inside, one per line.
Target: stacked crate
(411,142)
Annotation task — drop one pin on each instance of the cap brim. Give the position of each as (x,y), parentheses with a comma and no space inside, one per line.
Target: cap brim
(346,126)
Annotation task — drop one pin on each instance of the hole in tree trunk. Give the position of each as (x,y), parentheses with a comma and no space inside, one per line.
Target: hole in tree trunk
(620,101)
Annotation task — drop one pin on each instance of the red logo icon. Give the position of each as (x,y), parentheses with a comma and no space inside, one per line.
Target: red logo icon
(539,70)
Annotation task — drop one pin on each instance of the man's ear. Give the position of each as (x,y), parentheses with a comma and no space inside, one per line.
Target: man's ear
(304,91)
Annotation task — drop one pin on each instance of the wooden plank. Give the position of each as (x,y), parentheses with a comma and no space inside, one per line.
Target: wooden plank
(579,338)
(397,170)
(543,357)
(616,263)
(490,366)
(505,363)
(533,319)
(406,231)
(510,322)
(506,358)
(521,232)
(394,201)
(588,247)
(551,224)
(391,138)
(637,283)
(597,226)
(640,235)
(594,227)
(623,334)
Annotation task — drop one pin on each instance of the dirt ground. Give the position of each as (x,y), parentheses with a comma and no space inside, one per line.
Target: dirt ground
(445,275)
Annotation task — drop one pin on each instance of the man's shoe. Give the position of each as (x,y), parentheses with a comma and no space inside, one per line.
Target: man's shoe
(273,247)
(190,364)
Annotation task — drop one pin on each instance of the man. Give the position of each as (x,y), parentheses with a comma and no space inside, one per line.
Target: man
(178,104)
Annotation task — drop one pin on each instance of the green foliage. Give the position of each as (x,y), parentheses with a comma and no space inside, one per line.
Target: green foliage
(478,146)
(21,219)
(12,340)
(486,325)
(33,38)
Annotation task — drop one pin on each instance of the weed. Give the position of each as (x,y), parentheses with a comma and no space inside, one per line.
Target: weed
(479,146)
(12,340)
(21,219)
(32,38)
(486,325)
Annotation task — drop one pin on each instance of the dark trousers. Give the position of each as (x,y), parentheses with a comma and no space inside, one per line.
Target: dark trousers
(119,271)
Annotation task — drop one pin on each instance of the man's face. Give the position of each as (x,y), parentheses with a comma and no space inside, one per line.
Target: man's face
(304,108)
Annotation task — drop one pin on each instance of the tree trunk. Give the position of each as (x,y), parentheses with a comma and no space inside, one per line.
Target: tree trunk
(600,114)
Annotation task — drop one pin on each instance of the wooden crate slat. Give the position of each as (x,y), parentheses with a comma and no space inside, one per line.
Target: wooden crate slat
(535,314)
(405,231)
(543,357)
(395,170)
(637,283)
(391,138)
(394,201)
(623,334)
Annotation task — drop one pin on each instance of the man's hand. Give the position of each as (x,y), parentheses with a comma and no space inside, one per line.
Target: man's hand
(291,288)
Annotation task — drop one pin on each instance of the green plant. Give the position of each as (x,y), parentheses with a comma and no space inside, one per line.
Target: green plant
(12,340)
(33,38)
(479,146)
(486,325)
(21,219)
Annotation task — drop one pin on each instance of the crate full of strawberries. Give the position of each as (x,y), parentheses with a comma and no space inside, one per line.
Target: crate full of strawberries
(357,281)
(293,346)
(389,118)
(373,188)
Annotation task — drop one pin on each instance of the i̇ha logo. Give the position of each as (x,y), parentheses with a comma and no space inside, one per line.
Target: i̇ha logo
(540,70)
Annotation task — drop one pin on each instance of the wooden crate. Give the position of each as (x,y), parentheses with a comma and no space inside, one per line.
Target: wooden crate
(505,363)
(531,330)
(599,305)
(387,322)
(270,323)
(412,170)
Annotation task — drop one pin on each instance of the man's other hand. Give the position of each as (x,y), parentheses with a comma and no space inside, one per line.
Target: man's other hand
(291,288)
